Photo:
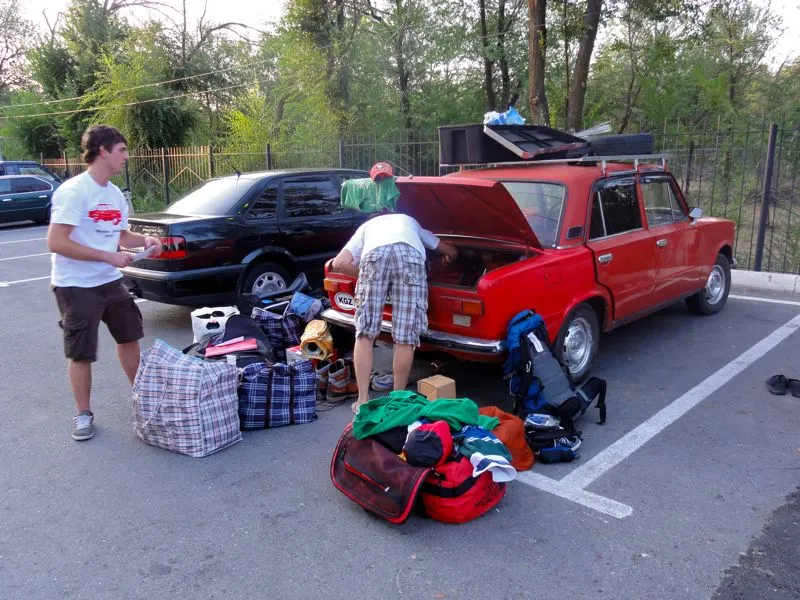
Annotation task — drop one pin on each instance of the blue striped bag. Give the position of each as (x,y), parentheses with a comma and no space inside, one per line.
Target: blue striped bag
(282,331)
(278,394)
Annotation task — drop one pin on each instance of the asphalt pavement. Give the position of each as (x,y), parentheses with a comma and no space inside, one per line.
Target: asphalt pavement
(685,493)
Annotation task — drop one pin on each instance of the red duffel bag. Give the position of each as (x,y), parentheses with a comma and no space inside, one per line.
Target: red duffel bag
(452,495)
(376,478)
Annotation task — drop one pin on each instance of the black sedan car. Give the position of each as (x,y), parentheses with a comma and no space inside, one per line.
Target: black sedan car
(246,233)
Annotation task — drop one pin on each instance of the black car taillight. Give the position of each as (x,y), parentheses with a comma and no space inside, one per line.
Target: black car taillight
(172,247)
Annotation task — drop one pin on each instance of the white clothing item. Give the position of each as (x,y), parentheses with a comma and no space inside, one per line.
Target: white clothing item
(98,214)
(390,229)
(500,468)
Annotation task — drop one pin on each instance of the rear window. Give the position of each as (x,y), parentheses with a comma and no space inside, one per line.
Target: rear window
(541,204)
(216,197)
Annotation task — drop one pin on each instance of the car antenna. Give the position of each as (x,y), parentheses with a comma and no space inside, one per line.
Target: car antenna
(235,170)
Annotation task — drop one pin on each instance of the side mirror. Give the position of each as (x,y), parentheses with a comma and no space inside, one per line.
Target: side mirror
(695,213)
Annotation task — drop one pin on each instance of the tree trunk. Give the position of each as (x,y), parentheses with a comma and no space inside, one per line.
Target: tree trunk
(488,64)
(537,48)
(591,21)
(505,78)
(402,71)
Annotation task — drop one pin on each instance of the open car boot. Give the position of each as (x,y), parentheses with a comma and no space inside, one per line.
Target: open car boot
(778,385)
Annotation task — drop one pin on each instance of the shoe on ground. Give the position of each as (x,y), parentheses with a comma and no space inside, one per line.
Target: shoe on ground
(382,382)
(83,426)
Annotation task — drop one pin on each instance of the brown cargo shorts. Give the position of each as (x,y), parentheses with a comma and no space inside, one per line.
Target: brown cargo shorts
(82,309)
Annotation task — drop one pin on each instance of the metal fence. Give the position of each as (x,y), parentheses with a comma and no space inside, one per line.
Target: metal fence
(720,166)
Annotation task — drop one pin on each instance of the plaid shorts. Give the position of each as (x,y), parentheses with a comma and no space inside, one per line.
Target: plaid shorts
(401,269)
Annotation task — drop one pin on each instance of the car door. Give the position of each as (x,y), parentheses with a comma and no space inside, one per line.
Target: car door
(623,253)
(29,197)
(261,224)
(314,224)
(674,235)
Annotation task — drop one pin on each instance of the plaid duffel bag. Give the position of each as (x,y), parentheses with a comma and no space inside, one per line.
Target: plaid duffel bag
(278,394)
(185,404)
(283,331)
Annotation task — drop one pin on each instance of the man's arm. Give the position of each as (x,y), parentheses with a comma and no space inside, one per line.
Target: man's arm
(345,263)
(59,242)
(448,251)
(129,239)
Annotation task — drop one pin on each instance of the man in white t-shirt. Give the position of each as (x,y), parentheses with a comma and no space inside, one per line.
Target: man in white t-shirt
(389,250)
(88,223)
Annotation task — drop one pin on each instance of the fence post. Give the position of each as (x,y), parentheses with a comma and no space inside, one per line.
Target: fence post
(687,180)
(127,176)
(269,156)
(341,154)
(66,165)
(762,222)
(165,168)
(210,161)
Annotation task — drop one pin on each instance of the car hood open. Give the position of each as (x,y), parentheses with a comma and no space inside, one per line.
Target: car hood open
(472,207)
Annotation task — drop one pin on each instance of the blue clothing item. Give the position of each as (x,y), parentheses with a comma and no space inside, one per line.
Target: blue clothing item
(473,439)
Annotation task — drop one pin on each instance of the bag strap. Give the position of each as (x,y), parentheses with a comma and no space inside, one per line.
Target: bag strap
(436,489)
(292,372)
(526,371)
(597,387)
(268,403)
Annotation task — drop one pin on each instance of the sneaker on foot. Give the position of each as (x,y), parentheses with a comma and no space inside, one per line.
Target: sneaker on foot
(83,426)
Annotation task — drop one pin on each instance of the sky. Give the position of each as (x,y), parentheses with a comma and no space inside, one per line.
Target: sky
(256,13)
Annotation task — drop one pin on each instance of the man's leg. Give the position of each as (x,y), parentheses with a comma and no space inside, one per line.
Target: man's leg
(129,358)
(80,379)
(362,363)
(402,361)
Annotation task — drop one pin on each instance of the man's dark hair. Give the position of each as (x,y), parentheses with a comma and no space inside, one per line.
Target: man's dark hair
(97,137)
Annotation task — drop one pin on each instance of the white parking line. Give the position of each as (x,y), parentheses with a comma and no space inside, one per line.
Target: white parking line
(769,300)
(26,256)
(9,283)
(26,240)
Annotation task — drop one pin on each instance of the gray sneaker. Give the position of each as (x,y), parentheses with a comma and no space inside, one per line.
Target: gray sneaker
(83,426)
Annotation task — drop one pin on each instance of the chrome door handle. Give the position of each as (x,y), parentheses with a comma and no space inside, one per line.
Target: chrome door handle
(42,196)
(7,199)
(605,258)
(662,243)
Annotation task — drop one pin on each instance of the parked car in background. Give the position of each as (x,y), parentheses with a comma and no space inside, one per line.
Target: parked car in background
(26,191)
(246,233)
(589,245)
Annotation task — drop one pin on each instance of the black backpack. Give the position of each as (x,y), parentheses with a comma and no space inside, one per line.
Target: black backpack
(539,381)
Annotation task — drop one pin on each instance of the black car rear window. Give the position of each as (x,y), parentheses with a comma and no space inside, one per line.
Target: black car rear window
(216,197)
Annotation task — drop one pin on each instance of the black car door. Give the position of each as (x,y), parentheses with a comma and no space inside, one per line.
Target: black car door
(314,225)
(261,220)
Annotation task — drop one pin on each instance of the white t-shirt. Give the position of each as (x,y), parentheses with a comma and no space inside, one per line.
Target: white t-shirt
(99,214)
(390,229)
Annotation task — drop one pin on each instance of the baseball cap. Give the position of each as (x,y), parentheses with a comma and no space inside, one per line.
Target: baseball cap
(380,170)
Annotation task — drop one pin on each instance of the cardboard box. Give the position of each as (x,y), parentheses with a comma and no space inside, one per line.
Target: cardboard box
(437,386)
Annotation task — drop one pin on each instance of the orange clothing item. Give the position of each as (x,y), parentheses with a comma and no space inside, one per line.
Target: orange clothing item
(511,431)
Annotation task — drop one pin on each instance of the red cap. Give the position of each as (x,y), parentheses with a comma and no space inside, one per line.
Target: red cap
(380,170)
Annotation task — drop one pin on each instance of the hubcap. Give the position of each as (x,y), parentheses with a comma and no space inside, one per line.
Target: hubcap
(578,344)
(715,286)
(269,282)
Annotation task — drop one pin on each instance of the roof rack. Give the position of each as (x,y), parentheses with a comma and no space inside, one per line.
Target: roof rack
(604,160)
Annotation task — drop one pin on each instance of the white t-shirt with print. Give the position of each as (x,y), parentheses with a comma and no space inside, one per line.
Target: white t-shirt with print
(390,229)
(99,214)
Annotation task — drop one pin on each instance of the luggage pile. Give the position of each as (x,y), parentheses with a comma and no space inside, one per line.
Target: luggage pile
(235,376)
(445,459)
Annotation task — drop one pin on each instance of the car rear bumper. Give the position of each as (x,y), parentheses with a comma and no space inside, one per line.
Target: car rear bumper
(432,340)
(195,287)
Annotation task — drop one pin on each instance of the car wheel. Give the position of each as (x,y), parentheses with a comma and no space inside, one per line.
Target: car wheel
(46,219)
(578,341)
(714,295)
(266,277)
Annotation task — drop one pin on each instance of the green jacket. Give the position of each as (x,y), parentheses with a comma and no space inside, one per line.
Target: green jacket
(401,408)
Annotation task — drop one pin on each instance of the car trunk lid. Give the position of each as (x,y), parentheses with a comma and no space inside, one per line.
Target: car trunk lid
(468,207)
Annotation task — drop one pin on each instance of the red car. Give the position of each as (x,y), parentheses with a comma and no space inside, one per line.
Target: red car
(589,245)
(105,212)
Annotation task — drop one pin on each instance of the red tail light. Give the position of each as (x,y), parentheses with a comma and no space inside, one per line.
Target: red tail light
(172,248)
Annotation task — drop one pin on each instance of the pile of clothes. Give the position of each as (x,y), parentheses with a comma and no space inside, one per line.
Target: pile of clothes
(461,456)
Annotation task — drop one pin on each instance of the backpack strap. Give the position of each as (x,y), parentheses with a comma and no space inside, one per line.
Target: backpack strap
(526,374)
(595,387)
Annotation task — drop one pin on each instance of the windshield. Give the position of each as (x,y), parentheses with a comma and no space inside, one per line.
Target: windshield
(216,197)
(541,204)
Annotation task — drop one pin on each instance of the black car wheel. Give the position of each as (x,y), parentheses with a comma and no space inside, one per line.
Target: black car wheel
(714,295)
(265,277)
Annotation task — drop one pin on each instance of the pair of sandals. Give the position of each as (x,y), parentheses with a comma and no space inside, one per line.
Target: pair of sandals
(780,386)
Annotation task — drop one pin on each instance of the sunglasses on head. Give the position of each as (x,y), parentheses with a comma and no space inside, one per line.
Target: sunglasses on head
(214,313)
